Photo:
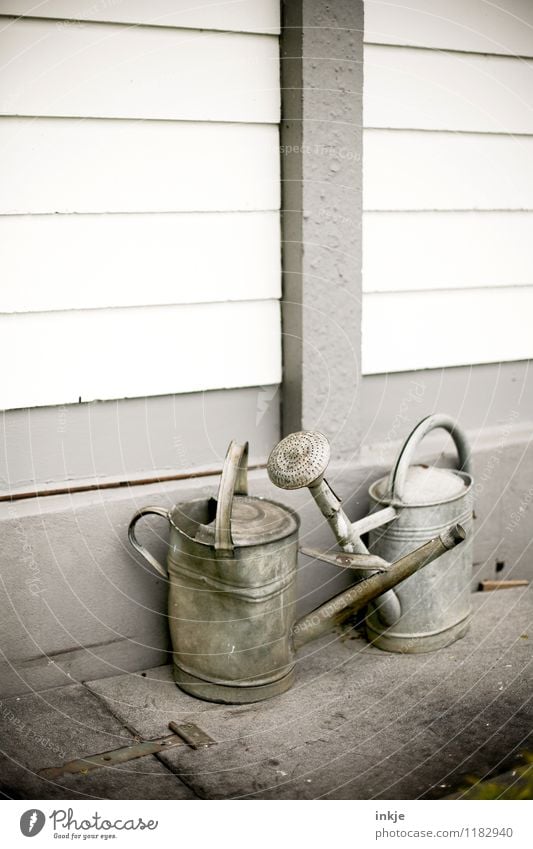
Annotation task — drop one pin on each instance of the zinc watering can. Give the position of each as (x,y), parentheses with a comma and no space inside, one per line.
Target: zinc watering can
(231,569)
(434,604)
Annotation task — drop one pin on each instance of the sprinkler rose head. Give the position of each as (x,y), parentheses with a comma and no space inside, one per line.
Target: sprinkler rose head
(299,460)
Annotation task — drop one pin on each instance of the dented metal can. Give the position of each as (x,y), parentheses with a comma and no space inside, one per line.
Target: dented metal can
(231,569)
(434,602)
(230,616)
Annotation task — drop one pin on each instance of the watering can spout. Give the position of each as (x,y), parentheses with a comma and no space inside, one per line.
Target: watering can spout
(342,606)
(452,536)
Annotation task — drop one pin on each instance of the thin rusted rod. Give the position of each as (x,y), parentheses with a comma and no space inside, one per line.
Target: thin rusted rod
(68,490)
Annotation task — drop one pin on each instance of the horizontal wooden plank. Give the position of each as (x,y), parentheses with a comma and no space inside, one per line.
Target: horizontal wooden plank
(428,89)
(57,358)
(112,71)
(433,170)
(236,15)
(68,165)
(472,25)
(133,439)
(56,262)
(446,250)
(403,331)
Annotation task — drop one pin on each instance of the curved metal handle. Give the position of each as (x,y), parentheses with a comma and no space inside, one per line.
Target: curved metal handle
(145,511)
(234,481)
(398,474)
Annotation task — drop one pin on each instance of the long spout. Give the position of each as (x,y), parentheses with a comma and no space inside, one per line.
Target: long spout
(321,620)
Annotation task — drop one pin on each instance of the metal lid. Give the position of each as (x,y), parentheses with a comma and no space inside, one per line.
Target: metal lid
(254,521)
(426,485)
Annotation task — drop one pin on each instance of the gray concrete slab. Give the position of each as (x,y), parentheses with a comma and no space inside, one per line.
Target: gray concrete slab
(359,723)
(46,729)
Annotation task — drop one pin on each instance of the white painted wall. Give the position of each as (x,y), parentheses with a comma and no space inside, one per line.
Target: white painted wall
(448,183)
(139,214)
(260,16)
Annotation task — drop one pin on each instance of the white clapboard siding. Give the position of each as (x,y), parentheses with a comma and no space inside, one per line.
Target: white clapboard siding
(448,183)
(472,25)
(443,250)
(139,211)
(429,89)
(424,170)
(414,330)
(236,15)
(57,358)
(112,71)
(57,262)
(69,165)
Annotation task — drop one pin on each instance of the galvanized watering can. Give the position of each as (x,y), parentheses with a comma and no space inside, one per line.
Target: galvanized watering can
(434,605)
(231,569)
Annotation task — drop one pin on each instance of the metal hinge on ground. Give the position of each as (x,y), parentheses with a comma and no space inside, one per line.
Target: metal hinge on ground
(185,734)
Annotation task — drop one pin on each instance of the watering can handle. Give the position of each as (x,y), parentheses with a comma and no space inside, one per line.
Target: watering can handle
(146,511)
(234,481)
(398,474)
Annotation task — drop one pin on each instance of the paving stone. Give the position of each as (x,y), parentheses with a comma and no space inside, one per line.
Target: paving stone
(46,729)
(359,723)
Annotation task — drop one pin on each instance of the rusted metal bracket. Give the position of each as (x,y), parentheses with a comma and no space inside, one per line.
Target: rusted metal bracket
(186,734)
(192,735)
(358,562)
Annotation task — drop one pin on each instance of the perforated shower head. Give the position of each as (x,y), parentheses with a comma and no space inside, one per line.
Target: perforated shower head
(299,460)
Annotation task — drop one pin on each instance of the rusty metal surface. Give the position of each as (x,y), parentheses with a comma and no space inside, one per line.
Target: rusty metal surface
(193,736)
(230,617)
(231,605)
(113,757)
(357,562)
(186,734)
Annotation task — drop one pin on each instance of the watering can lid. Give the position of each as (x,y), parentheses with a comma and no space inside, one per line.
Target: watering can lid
(254,521)
(426,485)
